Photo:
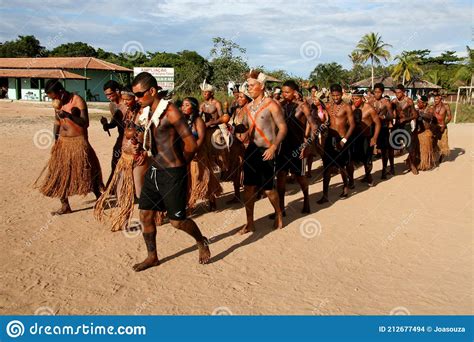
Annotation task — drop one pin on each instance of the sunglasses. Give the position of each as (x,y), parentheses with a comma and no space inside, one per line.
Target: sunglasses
(140,94)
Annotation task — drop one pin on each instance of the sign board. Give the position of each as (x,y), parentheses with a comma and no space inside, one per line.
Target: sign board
(164,76)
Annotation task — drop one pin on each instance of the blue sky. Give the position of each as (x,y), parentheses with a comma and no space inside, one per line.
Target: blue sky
(294,35)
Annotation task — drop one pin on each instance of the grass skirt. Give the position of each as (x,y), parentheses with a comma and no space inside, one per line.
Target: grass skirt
(121,214)
(73,169)
(427,151)
(202,182)
(443,144)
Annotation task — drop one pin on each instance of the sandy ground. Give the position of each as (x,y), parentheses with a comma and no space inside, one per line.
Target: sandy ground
(404,246)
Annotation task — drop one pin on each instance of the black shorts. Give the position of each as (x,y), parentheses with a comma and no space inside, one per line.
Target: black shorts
(383,140)
(333,156)
(289,160)
(401,134)
(165,190)
(258,172)
(361,151)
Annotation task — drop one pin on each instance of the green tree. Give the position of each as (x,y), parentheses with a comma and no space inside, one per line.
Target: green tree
(356,58)
(227,62)
(371,47)
(435,77)
(325,74)
(407,67)
(446,58)
(24,46)
(465,73)
(76,49)
(422,55)
(190,68)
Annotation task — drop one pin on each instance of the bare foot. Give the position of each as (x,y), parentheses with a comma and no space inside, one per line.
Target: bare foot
(278,222)
(323,200)
(204,252)
(305,209)
(370,181)
(147,263)
(345,192)
(248,228)
(62,211)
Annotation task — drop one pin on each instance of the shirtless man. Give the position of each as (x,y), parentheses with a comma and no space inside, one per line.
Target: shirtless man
(277,94)
(117,109)
(73,168)
(294,149)
(363,139)
(210,108)
(449,115)
(235,101)
(264,117)
(404,113)
(383,108)
(336,152)
(442,112)
(170,145)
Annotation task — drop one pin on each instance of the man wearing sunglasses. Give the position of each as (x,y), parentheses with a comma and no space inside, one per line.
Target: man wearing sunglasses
(170,144)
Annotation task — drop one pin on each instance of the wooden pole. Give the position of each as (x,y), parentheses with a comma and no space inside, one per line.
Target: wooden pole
(456,108)
(85,85)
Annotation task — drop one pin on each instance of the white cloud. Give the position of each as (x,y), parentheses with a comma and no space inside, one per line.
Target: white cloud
(272,31)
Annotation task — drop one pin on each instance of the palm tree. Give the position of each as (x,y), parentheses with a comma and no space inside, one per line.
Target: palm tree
(371,47)
(434,76)
(466,72)
(355,57)
(407,67)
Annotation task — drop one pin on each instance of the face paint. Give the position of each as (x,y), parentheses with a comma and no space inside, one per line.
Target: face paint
(358,101)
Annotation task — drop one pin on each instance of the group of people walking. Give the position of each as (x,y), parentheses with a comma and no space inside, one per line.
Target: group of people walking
(169,157)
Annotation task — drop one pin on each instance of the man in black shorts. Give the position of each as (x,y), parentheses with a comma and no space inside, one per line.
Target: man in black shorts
(405,112)
(263,116)
(383,107)
(292,155)
(336,151)
(364,137)
(171,146)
